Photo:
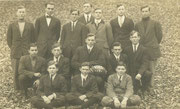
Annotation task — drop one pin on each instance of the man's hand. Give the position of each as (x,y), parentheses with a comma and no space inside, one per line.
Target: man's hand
(138,76)
(82,97)
(50,97)
(117,103)
(37,74)
(46,100)
(124,103)
(85,100)
(36,83)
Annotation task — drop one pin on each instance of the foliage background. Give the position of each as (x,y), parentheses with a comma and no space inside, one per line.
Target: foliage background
(167,79)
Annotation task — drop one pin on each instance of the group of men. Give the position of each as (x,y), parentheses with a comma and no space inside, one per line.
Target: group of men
(90,62)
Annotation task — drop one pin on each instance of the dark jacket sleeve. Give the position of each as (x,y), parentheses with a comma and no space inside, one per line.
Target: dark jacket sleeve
(94,88)
(75,63)
(63,34)
(9,36)
(33,37)
(37,27)
(40,90)
(158,30)
(66,67)
(58,29)
(62,86)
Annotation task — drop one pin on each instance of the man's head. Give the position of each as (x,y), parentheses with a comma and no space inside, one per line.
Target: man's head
(33,50)
(121,68)
(120,10)
(116,48)
(87,8)
(145,10)
(98,13)
(21,12)
(134,37)
(49,8)
(90,39)
(85,68)
(52,67)
(74,13)
(56,50)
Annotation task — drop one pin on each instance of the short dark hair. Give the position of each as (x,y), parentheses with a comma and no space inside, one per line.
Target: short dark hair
(21,7)
(32,45)
(88,3)
(121,63)
(116,44)
(85,64)
(145,6)
(90,35)
(52,62)
(97,9)
(118,5)
(72,10)
(55,45)
(49,3)
(133,32)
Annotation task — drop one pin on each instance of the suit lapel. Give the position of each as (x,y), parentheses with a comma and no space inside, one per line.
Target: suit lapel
(29,62)
(17,26)
(149,24)
(137,52)
(101,25)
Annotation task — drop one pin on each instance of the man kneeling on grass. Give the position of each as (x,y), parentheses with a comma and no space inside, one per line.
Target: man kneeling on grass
(51,90)
(120,90)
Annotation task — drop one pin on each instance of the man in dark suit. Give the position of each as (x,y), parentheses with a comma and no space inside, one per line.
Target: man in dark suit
(116,57)
(138,63)
(92,54)
(84,89)
(121,27)
(87,16)
(19,35)
(31,67)
(73,34)
(151,36)
(120,89)
(51,90)
(62,62)
(47,30)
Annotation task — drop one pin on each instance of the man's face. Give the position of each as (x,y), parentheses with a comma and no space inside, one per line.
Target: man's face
(56,51)
(21,13)
(135,38)
(33,51)
(87,8)
(49,9)
(98,14)
(117,50)
(85,70)
(121,10)
(121,70)
(90,41)
(52,69)
(145,12)
(74,15)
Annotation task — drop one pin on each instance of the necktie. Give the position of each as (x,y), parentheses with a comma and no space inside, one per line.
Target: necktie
(83,82)
(57,60)
(72,26)
(134,49)
(51,78)
(89,50)
(120,79)
(120,21)
(87,20)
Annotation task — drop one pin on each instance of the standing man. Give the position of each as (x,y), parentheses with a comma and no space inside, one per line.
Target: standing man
(73,34)
(122,27)
(87,16)
(151,36)
(47,30)
(19,36)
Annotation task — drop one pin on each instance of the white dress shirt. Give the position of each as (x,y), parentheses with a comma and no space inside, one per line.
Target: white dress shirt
(121,20)
(89,48)
(135,47)
(83,78)
(89,17)
(48,19)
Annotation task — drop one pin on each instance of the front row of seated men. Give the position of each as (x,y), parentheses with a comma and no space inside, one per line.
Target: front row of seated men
(125,73)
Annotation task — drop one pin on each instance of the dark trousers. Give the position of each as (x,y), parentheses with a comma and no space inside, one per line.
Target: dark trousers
(39,103)
(15,65)
(73,99)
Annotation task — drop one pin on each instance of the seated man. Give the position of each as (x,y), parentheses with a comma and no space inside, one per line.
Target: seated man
(84,89)
(120,90)
(116,57)
(31,67)
(51,90)
(62,62)
(138,64)
(92,54)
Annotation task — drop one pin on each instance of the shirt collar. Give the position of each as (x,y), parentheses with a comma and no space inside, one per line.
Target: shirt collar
(74,22)
(119,77)
(117,56)
(88,47)
(84,77)
(48,15)
(52,76)
(88,15)
(57,58)
(137,45)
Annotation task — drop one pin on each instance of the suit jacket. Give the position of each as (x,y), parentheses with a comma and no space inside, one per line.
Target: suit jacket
(95,57)
(70,40)
(89,87)
(150,37)
(63,66)
(138,62)
(18,44)
(83,20)
(26,68)
(122,34)
(116,88)
(46,35)
(112,62)
(103,32)
(58,86)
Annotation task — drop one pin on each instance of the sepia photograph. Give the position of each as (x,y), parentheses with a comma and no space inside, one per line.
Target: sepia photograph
(90,54)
